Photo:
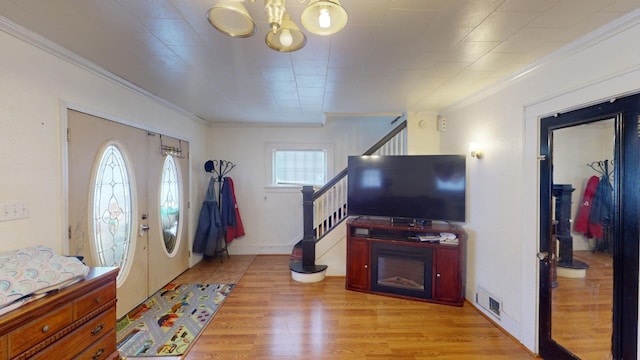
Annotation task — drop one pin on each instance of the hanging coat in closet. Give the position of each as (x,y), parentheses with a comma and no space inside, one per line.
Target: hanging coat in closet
(209,227)
(231,221)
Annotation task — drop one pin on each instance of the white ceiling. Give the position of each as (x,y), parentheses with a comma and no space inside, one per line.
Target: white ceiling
(393,56)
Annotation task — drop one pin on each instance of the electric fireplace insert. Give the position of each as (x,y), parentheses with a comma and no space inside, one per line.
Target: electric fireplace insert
(401,270)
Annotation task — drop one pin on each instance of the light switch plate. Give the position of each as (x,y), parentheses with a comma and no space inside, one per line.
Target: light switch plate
(13,210)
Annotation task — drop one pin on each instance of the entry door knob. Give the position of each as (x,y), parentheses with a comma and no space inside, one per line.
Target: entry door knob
(143,229)
(543,256)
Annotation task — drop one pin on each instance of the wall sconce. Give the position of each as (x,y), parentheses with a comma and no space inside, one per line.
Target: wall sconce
(476,151)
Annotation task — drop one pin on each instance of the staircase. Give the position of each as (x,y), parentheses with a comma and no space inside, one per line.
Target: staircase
(326,208)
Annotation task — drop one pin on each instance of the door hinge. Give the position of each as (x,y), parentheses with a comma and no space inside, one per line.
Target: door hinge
(638,126)
(69,232)
(68,134)
(542,157)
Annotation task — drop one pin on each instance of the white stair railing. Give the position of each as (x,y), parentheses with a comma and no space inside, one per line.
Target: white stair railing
(330,202)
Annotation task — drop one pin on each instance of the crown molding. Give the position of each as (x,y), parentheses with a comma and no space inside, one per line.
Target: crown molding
(54,49)
(247,124)
(605,32)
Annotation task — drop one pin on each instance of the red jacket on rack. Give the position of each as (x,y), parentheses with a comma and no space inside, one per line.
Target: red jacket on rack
(231,220)
(582,224)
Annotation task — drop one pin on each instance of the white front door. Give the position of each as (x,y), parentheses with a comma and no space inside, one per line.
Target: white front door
(118,222)
(168,187)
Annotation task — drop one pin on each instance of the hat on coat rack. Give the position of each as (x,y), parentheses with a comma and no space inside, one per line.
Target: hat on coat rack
(208,166)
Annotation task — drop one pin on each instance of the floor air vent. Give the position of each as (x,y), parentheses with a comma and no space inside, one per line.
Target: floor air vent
(488,302)
(494,306)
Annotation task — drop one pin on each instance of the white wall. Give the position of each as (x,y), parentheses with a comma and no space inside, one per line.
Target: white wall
(36,87)
(273,217)
(503,187)
(423,137)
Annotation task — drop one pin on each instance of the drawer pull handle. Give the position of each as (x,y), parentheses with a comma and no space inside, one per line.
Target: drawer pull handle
(45,328)
(98,299)
(96,330)
(98,354)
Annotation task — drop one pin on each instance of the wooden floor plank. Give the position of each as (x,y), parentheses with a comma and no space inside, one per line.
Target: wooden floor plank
(583,308)
(270,316)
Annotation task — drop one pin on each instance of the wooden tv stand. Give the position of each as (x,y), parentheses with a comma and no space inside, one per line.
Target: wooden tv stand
(440,265)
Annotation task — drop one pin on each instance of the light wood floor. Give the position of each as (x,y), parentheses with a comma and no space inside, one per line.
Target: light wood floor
(582,308)
(270,316)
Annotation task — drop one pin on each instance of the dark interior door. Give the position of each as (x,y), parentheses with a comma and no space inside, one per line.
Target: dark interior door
(622,231)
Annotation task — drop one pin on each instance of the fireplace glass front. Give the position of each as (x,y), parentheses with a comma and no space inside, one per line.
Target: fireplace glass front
(401,270)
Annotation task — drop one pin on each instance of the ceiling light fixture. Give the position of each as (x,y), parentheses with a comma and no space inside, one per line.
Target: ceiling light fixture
(287,37)
(324,17)
(231,18)
(320,17)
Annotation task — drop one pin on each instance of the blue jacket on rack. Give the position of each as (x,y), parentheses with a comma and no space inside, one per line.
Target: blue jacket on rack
(209,224)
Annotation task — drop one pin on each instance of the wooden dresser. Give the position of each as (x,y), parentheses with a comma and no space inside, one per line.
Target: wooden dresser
(77,322)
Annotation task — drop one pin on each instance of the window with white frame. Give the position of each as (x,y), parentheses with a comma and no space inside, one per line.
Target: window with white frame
(299,164)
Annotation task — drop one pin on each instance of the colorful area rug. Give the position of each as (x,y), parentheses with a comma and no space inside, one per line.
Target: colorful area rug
(168,322)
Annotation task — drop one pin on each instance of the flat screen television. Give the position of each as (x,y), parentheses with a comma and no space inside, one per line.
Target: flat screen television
(412,187)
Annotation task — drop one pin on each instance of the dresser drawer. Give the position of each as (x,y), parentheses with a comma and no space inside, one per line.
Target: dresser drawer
(3,347)
(94,299)
(101,349)
(37,330)
(80,338)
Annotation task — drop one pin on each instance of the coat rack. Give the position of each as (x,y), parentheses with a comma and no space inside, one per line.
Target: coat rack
(602,167)
(171,150)
(219,168)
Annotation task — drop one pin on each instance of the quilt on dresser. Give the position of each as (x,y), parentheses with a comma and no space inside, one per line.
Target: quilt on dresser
(27,273)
